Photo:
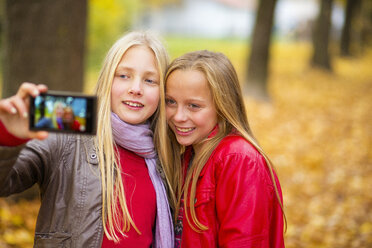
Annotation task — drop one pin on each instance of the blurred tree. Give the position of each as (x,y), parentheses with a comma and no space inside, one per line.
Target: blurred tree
(107,21)
(257,73)
(346,37)
(2,5)
(321,36)
(110,19)
(1,20)
(44,43)
(366,33)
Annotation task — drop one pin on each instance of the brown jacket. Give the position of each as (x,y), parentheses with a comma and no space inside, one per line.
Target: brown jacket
(66,169)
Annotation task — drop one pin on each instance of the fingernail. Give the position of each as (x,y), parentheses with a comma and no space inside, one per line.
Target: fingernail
(13,110)
(36,93)
(25,115)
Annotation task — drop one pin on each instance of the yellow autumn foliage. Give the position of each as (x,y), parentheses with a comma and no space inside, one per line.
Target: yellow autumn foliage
(318,132)
(17,223)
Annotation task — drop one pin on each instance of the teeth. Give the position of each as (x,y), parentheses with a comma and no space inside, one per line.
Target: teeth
(133,104)
(184,129)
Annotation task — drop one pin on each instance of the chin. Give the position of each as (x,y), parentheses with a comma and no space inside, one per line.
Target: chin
(133,121)
(184,143)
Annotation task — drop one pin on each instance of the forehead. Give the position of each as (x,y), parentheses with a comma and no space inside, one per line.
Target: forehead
(189,83)
(138,54)
(139,49)
(188,78)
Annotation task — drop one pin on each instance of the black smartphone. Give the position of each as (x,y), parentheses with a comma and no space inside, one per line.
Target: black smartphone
(58,111)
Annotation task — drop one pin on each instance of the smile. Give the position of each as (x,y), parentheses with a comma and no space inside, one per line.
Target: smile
(133,104)
(184,130)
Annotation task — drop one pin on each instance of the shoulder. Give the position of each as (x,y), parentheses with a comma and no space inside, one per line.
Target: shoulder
(61,143)
(52,140)
(235,145)
(234,153)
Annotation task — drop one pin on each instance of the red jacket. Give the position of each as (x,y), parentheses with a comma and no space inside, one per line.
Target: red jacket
(235,199)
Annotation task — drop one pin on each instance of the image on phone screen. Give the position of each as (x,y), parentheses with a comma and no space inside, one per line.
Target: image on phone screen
(63,113)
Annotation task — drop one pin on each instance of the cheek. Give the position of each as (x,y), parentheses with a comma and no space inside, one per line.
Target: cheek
(211,116)
(114,101)
(115,92)
(157,96)
(214,120)
(169,112)
(153,97)
(113,98)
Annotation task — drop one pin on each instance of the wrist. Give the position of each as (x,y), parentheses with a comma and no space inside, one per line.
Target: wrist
(8,139)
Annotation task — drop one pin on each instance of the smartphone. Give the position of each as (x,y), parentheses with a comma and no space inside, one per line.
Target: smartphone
(59,111)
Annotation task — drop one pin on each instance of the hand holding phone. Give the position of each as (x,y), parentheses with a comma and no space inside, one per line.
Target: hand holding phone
(14,112)
(55,111)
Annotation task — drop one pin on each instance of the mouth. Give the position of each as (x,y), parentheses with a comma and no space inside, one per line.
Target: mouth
(133,104)
(184,130)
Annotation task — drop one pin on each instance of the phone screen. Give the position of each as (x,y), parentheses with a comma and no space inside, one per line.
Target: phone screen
(61,112)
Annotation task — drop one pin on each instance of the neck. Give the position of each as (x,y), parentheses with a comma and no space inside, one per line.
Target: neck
(198,147)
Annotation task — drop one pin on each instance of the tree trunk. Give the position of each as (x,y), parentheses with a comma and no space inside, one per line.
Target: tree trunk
(321,36)
(44,43)
(259,57)
(366,32)
(350,11)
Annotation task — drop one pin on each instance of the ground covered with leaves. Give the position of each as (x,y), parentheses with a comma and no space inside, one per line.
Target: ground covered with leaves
(317,130)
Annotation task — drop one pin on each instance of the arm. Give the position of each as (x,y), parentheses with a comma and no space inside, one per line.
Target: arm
(7,139)
(24,165)
(20,166)
(243,201)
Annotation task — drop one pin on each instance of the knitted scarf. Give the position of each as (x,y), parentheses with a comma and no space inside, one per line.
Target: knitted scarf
(138,139)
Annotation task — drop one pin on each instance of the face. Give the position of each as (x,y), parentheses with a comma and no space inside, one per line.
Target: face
(191,113)
(68,115)
(135,88)
(59,110)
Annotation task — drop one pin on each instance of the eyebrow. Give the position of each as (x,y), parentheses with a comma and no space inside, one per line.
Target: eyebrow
(120,67)
(190,99)
(126,68)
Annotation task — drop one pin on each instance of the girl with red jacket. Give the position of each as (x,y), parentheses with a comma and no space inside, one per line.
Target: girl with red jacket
(226,193)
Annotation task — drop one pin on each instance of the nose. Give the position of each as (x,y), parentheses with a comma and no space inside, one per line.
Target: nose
(135,88)
(180,114)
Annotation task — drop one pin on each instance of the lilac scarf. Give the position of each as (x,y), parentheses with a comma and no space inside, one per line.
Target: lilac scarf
(138,139)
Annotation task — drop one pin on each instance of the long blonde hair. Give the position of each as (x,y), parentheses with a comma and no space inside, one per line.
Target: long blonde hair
(114,206)
(226,91)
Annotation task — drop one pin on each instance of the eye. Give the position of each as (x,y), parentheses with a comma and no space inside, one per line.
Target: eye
(123,76)
(194,106)
(150,81)
(170,102)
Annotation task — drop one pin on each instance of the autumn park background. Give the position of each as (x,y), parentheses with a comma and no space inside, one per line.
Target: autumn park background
(308,95)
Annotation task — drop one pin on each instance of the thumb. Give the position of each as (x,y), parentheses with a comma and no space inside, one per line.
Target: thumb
(41,135)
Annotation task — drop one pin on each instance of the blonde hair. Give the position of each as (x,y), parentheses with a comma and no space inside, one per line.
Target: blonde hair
(226,91)
(112,181)
(56,105)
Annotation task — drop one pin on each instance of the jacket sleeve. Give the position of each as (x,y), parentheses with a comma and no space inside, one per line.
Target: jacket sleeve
(23,166)
(244,197)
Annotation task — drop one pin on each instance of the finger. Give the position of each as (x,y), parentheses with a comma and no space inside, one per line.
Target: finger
(21,106)
(40,135)
(7,107)
(27,89)
(42,88)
